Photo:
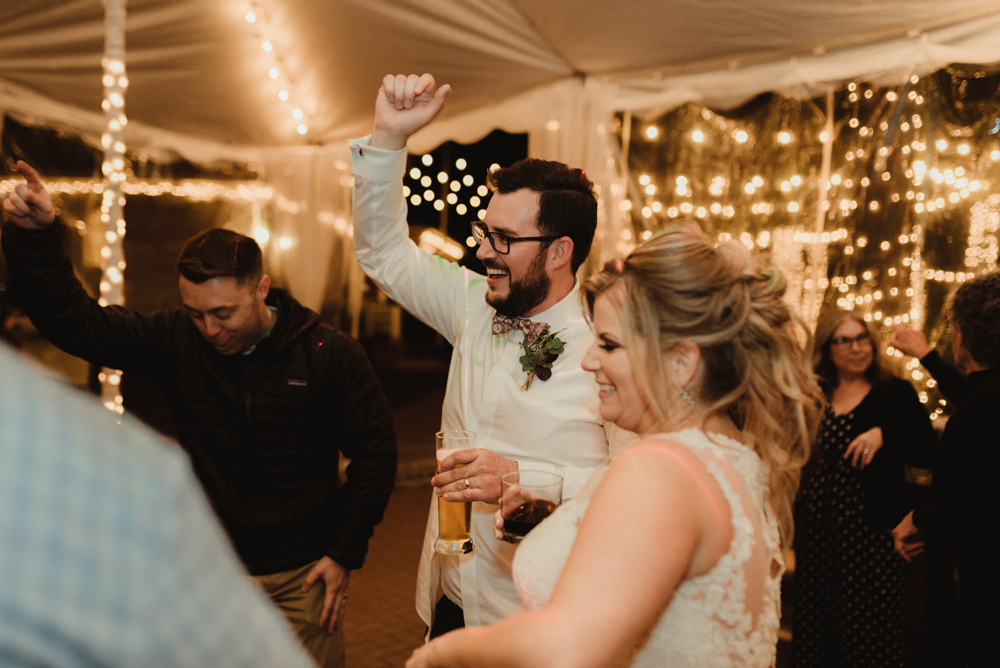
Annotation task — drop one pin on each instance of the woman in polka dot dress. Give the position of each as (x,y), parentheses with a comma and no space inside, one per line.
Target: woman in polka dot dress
(850,595)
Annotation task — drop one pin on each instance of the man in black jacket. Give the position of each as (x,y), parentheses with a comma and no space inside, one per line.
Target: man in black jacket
(963,521)
(265,398)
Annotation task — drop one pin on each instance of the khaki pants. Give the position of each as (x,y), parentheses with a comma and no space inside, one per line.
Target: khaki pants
(302,611)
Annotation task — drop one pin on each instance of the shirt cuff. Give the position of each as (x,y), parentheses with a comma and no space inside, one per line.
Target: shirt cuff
(376,164)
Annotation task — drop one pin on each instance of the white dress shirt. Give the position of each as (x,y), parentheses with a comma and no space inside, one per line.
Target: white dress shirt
(553,426)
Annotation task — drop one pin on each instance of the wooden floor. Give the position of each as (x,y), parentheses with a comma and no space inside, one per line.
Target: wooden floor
(381,626)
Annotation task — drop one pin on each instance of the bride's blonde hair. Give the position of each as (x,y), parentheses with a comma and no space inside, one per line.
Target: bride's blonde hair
(754,350)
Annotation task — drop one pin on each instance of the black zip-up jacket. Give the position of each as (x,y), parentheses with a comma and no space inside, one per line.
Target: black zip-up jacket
(966,510)
(263,430)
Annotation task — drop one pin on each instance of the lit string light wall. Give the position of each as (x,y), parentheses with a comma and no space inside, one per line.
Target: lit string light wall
(906,210)
(113,169)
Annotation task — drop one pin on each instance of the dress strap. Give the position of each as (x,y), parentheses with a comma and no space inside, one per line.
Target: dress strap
(742,461)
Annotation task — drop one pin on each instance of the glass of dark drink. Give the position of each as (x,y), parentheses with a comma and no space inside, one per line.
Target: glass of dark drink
(527,498)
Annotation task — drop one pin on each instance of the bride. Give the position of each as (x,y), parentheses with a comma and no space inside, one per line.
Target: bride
(674,557)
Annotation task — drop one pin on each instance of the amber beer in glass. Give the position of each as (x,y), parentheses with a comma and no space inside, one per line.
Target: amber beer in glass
(454,517)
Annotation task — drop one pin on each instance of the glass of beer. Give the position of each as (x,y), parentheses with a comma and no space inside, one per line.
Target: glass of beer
(527,498)
(453,516)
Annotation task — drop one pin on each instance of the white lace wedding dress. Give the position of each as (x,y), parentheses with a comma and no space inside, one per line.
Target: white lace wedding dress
(727,617)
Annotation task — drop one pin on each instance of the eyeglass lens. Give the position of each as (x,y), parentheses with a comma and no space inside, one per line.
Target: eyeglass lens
(861,339)
(498,242)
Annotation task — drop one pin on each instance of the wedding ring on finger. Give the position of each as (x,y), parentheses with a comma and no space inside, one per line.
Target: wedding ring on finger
(467,484)
(865,451)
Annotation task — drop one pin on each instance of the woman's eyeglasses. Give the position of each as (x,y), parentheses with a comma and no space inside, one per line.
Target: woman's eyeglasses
(863,341)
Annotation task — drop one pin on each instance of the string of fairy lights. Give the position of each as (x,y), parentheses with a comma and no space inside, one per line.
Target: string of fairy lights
(277,70)
(904,183)
(460,193)
(197,190)
(113,167)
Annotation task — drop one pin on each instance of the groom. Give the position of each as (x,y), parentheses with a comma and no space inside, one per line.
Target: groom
(537,231)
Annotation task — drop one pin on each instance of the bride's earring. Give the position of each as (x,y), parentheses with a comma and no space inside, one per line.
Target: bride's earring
(688,399)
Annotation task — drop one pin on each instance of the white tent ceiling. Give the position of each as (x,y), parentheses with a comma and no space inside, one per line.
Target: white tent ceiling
(556,69)
(199,80)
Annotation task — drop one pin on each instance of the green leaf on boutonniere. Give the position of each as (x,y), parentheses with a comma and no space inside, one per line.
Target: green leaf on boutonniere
(539,357)
(527,363)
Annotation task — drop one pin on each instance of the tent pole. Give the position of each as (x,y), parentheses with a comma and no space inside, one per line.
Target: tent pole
(626,140)
(817,247)
(114,169)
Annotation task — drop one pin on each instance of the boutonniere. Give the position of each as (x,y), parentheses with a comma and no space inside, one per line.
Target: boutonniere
(538,358)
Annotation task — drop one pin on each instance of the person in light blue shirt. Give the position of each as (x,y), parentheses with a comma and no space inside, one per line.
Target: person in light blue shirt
(109,552)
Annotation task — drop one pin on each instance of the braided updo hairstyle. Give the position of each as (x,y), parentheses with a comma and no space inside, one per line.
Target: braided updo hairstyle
(680,287)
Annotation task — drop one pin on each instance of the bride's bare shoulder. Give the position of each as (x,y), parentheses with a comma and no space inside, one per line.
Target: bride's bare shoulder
(652,461)
(660,449)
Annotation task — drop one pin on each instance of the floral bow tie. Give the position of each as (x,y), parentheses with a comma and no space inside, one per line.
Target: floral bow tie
(503,324)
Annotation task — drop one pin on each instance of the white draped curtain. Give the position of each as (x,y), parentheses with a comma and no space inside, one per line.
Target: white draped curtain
(311,215)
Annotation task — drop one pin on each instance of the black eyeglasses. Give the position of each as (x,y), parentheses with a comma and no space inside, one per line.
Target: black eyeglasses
(500,242)
(863,341)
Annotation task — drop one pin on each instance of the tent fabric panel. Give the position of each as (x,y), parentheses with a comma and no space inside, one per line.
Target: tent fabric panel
(603,38)
(885,63)
(198,74)
(482,47)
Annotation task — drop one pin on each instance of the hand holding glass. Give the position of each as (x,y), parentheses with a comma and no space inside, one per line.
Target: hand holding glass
(453,516)
(527,498)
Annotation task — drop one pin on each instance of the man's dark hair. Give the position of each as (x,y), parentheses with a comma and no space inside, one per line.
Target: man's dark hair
(975,310)
(567,206)
(220,253)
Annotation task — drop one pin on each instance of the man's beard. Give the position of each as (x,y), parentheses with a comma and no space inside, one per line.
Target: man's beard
(524,294)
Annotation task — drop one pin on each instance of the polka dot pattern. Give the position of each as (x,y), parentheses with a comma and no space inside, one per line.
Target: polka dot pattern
(849,582)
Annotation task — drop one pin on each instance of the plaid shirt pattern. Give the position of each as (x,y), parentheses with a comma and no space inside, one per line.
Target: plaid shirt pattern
(109,552)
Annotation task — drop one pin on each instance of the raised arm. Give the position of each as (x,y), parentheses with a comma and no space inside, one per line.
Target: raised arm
(432,289)
(44,285)
(953,384)
(29,205)
(404,105)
